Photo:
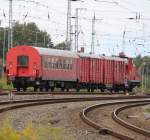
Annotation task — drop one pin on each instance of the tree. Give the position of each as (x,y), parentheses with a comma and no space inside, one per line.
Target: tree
(26,34)
(2,41)
(30,34)
(61,46)
(139,60)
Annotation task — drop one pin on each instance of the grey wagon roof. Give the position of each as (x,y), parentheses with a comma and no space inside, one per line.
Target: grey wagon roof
(65,53)
(102,57)
(55,52)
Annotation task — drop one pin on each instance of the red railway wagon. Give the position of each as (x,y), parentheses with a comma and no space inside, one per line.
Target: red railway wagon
(83,69)
(101,72)
(40,67)
(108,69)
(90,72)
(44,68)
(119,73)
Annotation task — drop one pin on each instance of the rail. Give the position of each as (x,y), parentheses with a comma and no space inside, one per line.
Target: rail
(106,130)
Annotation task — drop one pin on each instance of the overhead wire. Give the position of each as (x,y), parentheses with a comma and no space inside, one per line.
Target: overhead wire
(43,5)
(60,12)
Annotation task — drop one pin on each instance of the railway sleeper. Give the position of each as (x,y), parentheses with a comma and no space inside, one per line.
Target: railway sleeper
(104,131)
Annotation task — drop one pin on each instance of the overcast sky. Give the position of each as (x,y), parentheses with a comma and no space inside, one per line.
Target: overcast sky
(114,17)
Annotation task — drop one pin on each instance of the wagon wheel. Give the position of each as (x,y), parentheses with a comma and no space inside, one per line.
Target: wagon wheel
(24,89)
(67,89)
(102,90)
(92,89)
(18,88)
(52,89)
(88,89)
(62,89)
(35,88)
(111,90)
(47,88)
(124,90)
(41,89)
(77,89)
(130,89)
(116,90)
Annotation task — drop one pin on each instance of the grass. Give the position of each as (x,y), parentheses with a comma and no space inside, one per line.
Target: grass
(4,85)
(148,110)
(41,132)
(140,90)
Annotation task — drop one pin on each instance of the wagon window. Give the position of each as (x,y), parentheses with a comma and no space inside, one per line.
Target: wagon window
(50,65)
(22,60)
(46,64)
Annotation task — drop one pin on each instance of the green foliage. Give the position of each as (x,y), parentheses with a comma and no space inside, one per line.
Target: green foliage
(138,61)
(30,34)
(143,66)
(25,34)
(41,132)
(148,110)
(7,133)
(2,41)
(4,85)
(61,46)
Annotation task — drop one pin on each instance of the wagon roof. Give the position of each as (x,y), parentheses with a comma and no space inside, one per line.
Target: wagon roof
(102,57)
(55,52)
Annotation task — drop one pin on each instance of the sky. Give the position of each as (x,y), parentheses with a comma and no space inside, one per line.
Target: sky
(114,19)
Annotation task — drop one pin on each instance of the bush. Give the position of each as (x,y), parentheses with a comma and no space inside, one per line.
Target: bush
(4,85)
(148,109)
(41,132)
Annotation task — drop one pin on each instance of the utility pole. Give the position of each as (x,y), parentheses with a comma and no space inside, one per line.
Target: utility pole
(4,43)
(10,30)
(71,35)
(147,77)
(143,70)
(148,85)
(93,35)
(68,34)
(77,28)
(123,40)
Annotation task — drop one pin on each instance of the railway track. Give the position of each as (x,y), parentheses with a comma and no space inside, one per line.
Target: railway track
(2,93)
(103,130)
(128,125)
(12,105)
(13,96)
(13,93)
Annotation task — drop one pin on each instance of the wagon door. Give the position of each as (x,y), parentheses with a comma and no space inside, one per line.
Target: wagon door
(22,65)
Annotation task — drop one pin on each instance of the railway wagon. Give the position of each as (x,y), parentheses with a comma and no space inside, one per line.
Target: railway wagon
(90,72)
(101,72)
(42,68)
